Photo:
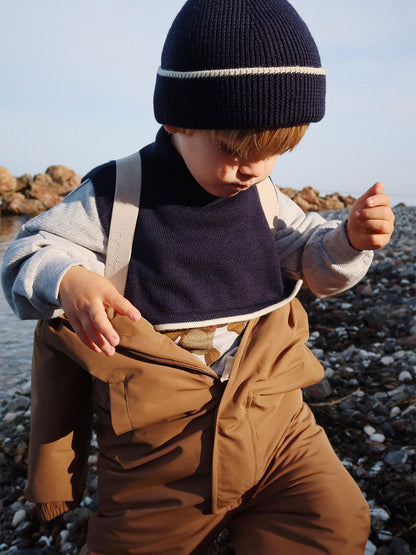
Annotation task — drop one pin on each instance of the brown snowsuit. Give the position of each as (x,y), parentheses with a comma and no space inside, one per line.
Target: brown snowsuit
(183,454)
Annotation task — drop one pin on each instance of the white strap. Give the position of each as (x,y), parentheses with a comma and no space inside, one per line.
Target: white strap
(123,219)
(268,199)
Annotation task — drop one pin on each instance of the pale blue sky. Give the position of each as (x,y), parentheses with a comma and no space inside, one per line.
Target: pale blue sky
(77,78)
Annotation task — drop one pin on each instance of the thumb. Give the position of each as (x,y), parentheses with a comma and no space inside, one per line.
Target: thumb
(376,189)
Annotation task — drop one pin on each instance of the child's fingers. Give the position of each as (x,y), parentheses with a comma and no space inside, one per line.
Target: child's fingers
(377,226)
(122,306)
(79,330)
(99,330)
(375,213)
(380,199)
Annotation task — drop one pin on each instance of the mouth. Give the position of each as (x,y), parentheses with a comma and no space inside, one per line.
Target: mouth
(241,186)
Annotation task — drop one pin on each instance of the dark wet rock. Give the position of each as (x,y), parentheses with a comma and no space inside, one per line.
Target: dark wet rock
(319,390)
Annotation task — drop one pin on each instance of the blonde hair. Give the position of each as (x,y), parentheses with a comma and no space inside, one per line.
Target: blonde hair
(256,143)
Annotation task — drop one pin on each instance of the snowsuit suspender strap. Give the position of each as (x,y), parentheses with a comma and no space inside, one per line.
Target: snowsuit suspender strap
(123,219)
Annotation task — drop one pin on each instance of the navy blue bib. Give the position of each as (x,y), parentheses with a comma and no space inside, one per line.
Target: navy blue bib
(197,259)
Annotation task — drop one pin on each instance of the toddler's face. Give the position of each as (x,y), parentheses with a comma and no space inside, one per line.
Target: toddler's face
(217,169)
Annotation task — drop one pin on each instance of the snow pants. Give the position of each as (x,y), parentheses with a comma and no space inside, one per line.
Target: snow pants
(183,455)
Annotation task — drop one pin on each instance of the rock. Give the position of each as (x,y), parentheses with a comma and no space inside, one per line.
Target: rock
(375,316)
(405,376)
(25,195)
(370,548)
(378,515)
(396,459)
(377,438)
(309,199)
(19,403)
(318,391)
(67,179)
(78,514)
(387,360)
(385,535)
(43,189)
(18,517)
(365,289)
(24,181)
(8,183)
(17,204)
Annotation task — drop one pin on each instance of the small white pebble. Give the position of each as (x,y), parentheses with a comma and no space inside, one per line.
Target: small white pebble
(377,438)
(93,459)
(410,410)
(369,430)
(45,539)
(329,373)
(376,468)
(64,535)
(86,502)
(384,535)
(405,376)
(10,416)
(18,517)
(378,513)
(370,548)
(387,360)
(395,411)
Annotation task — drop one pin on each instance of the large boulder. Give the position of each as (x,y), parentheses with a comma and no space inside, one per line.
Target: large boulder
(8,183)
(24,182)
(65,180)
(17,204)
(43,189)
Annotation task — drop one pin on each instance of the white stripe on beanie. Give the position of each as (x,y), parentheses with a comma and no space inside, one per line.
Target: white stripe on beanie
(235,72)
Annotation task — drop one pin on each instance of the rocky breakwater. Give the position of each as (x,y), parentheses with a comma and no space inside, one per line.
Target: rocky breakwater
(33,195)
(366,340)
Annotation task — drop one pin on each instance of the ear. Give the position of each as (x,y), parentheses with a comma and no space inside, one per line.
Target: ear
(171,130)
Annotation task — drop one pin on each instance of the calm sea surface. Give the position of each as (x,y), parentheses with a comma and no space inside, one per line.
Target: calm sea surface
(15,335)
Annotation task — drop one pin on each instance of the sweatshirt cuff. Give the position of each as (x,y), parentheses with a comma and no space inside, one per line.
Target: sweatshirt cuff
(336,243)
(50,275)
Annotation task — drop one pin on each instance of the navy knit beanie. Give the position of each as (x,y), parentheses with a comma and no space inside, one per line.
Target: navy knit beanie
(239,64)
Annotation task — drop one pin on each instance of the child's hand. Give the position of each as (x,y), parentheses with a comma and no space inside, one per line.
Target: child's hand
(371,220)
(84,296)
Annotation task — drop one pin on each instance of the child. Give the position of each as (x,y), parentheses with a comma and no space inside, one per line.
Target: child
(200,417)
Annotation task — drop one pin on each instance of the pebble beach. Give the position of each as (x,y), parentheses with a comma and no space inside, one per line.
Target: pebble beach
(366,341)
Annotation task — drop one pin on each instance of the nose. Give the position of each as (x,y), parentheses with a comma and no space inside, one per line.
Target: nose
(251,169)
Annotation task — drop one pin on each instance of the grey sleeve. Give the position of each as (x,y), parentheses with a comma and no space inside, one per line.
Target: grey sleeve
(67,235)
(318,251)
